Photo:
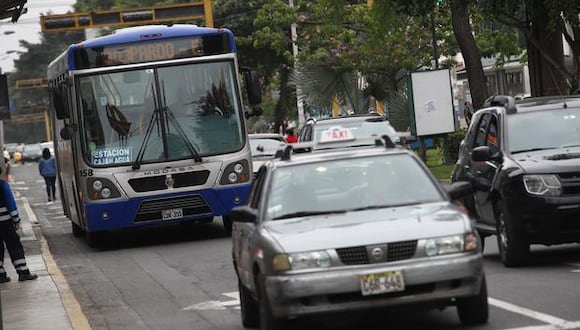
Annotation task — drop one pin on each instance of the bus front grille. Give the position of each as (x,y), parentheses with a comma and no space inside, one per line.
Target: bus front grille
(191,205)
(176,180)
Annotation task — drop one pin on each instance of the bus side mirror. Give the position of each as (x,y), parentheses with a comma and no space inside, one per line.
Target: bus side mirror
(58,103)
(252,86)
(66,133)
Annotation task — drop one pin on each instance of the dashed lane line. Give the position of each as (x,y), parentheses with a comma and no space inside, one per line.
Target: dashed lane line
(568,325)
(553,321)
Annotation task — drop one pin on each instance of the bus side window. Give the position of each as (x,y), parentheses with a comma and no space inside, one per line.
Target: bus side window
(60,102)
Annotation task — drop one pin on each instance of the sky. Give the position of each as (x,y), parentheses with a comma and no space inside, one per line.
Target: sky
(27,28)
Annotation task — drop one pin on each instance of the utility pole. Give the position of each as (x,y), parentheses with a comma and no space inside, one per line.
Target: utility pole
(299,102)
(4,113)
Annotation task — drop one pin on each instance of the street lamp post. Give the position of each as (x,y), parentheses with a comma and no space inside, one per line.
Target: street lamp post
(299,101)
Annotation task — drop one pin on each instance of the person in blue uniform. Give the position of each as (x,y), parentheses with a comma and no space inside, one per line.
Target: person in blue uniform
(9,224)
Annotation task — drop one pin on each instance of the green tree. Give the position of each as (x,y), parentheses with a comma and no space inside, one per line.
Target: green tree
(32,64)
(542,23)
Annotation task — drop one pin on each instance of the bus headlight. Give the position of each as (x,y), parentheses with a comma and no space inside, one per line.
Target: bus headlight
(100,188)
(236,172)
(97,185)
(106,192)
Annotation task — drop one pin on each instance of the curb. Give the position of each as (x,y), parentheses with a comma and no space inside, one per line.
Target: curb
(71,305)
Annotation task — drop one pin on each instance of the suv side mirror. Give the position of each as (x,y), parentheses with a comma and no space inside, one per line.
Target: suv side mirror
(459,189)
(484,153)
(244,214)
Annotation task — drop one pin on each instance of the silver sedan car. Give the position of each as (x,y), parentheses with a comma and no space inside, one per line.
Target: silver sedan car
(354,229)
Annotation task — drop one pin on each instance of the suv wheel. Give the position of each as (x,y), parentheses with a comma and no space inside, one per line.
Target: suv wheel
(474,310)
(514,249)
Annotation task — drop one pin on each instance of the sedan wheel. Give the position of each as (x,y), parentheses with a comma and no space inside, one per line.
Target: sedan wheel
(514,249)
(474,310)
(267,320)
(249,307)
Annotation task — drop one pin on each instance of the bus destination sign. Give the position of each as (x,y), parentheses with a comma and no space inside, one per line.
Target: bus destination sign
(152,50)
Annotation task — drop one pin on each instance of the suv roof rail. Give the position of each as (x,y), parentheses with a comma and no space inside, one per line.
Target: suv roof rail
(506,101)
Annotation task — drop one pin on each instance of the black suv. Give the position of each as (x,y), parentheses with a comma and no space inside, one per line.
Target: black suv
(523,159)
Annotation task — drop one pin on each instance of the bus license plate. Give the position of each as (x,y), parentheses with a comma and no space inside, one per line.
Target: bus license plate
(385,282)
(172,214)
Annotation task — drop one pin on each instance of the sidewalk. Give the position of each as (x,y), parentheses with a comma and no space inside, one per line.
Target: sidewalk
(39,304)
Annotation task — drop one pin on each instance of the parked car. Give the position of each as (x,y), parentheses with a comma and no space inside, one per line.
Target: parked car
(349,131)
(264,146)
(348,230)
(15,151)
(523,158)
(31,153)
(49,145)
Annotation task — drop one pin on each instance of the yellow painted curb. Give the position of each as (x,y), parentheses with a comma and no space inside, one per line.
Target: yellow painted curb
(73,309)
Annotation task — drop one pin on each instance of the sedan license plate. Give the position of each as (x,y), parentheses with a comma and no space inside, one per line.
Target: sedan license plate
(172,214)
(385,282)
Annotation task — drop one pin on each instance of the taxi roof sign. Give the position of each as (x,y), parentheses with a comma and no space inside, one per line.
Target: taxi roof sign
(336,134)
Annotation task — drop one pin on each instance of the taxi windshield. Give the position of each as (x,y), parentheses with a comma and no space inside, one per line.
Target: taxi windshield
(350,184)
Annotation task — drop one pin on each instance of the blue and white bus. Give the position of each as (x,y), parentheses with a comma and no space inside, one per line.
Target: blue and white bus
(149,128)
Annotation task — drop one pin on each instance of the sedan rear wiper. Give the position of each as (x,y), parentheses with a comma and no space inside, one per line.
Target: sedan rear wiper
(307,213)
(532,149)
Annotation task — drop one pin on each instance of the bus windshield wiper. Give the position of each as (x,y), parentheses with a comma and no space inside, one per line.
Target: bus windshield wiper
(156,118)
(188,143)
(307,213)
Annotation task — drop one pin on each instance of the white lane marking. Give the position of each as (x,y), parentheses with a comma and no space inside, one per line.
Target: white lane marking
(575,265)
(19,188)
(217,304)
(570,325)
(528,312)
(17,182)
(27,232)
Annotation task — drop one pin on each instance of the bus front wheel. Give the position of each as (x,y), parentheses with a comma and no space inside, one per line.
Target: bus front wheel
(228,224)
(77,231)
(94,238)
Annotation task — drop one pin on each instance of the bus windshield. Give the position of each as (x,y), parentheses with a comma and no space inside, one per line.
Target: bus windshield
(160,114)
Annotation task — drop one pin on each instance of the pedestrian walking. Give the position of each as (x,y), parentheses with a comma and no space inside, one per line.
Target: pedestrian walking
(291,137)
(9,224)
(47,169)
(467,112)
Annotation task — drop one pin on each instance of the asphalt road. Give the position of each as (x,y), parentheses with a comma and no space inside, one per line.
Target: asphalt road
(181,277)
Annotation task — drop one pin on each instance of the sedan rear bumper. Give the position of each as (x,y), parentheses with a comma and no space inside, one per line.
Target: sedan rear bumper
(334,290)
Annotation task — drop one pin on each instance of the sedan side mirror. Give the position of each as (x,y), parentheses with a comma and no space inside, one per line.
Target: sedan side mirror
(484,153)
(459,189)
(244,214)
